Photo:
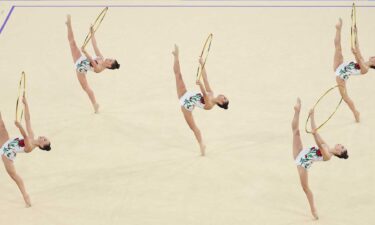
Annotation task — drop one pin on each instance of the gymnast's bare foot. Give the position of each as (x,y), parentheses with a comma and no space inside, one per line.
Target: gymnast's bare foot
(297,107)
(96,108)
(27,201)
(68,20)
(339,24)
(203,149)
(315,215)
(357,115)
(175,52)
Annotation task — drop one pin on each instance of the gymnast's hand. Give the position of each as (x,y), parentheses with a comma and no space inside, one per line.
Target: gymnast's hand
(24,101)
(312,116)
(18,124)
(92,30)
(314,131)
(201,61)
(355,30)
(356,44)
(354,50)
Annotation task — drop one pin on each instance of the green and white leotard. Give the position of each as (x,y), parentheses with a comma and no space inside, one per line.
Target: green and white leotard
(308,156)
(345,70)
(12,147)
(191,99)
(83,64)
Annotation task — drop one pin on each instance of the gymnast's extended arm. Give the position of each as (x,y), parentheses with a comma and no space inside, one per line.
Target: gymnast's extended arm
(318,139)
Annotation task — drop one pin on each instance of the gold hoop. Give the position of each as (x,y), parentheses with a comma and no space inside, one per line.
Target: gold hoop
(321,97)
(21,93)
(204,55)
(353,32)
(95,26)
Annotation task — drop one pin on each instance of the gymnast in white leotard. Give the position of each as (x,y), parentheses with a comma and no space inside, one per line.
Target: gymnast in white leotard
(344,70)
(305,157)
(189,100)
(84,63)
(10,147)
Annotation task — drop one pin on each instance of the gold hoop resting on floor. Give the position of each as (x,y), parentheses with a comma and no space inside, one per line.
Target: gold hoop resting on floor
(353,32)
(204,55)
(321,125)
(21,93)
(95,26)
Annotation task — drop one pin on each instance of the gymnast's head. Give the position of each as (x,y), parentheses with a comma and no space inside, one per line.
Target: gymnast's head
(222,101)
(111,64)
(44,143)
(340,151)
(372,62)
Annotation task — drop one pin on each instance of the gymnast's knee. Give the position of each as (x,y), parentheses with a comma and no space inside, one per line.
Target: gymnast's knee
(72,42)
(86,88)
(347,99)
(338,45)
(296,132)
(194,129)
(306,189)
(177,72)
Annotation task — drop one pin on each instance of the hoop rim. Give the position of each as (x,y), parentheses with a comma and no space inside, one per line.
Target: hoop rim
(321,97)
(201,67)
(98,21)
(21,90)
(353,33)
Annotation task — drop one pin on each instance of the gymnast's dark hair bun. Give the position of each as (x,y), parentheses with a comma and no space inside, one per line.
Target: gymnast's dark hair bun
(114,65)
(46,147)
(343,155)
(224,105)
(372,67)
